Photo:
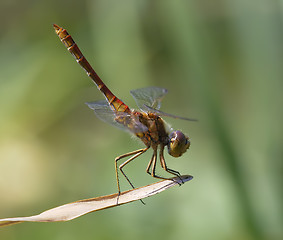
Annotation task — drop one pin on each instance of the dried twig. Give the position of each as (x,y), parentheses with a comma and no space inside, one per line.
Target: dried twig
(76,209)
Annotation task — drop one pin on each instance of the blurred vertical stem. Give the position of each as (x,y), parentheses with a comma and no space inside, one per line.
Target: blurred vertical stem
(195,46)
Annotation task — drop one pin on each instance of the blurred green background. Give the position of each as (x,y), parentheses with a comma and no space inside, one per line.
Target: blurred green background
(222,62)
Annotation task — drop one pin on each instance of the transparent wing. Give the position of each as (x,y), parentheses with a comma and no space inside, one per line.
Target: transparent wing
(103,111)
(160,113)
(149,100)
(150,96)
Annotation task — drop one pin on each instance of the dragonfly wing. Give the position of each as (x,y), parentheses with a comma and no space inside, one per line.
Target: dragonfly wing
(150,96)
(160,113)
(104,112)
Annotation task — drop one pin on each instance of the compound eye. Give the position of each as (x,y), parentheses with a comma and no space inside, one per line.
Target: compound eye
(178,143)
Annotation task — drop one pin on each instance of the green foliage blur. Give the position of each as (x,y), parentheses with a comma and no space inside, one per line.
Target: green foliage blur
(222,62)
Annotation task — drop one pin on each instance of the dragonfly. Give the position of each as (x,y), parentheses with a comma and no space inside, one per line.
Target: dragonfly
(146,124)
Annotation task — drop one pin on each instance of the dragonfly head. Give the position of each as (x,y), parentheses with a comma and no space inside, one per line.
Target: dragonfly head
(178,143)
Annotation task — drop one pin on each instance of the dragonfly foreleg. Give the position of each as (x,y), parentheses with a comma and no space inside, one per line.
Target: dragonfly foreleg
(164,166)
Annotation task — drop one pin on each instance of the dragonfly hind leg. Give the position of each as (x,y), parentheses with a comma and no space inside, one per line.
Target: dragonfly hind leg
(135,155)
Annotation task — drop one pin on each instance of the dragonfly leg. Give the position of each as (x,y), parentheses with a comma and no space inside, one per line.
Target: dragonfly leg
(136,154)
(152,164)
(149,165)
(164,166)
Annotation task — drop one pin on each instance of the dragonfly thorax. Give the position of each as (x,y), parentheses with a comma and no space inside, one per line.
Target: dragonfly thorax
(178,143)
(156,129)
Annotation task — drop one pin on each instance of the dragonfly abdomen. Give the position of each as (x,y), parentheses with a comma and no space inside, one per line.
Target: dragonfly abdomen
(115,103)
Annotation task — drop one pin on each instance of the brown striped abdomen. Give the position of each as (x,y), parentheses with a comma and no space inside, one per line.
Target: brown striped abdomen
(67,40)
